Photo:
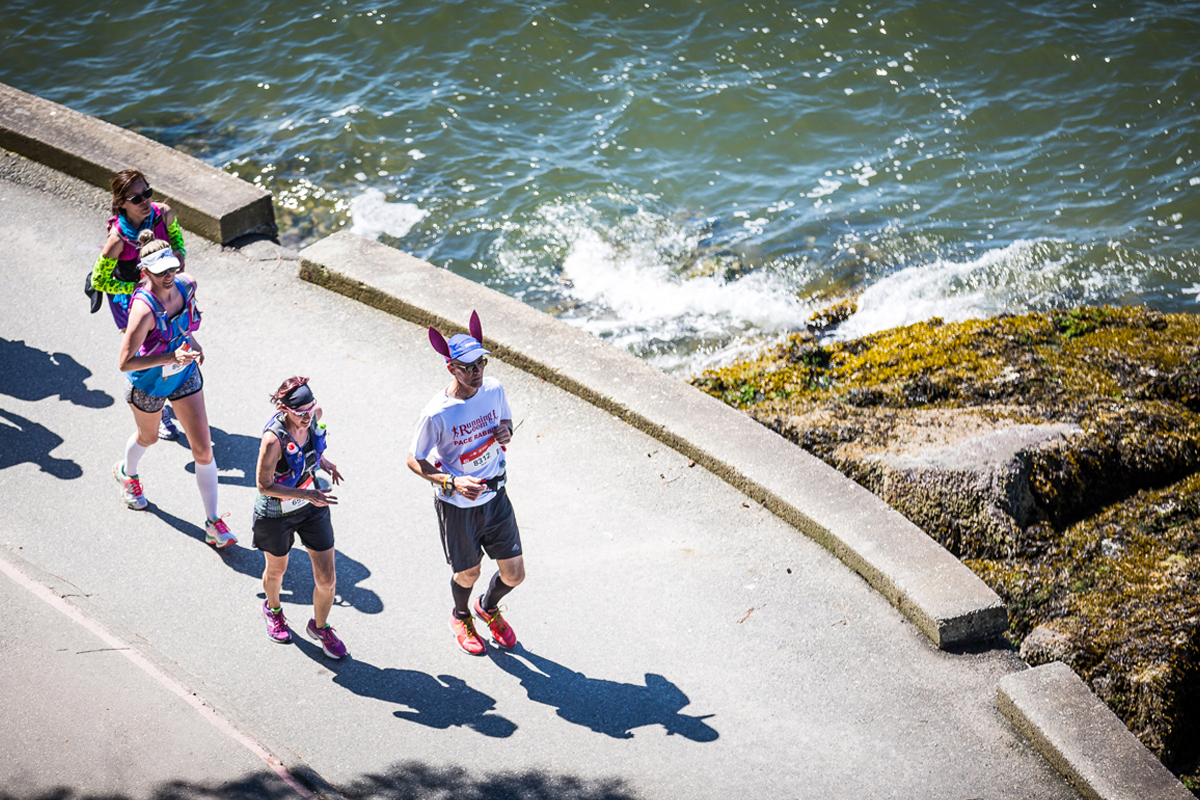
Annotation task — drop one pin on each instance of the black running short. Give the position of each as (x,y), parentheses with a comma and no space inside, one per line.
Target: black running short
(276,535)
(469,532)
(152,404)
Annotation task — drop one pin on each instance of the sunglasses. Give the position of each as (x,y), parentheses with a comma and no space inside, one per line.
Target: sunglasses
(140,198)
(169,271)
(303,412)
(475,366)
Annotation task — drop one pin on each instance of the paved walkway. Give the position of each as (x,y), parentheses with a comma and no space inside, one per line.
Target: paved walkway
(676,639)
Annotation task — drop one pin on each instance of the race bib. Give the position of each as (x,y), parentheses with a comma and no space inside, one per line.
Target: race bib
(290,504)
(174,368)
(480,457)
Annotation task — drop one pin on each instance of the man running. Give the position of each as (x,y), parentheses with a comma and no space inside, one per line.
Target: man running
(459,447)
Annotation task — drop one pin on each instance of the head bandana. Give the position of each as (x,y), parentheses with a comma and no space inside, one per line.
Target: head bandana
(298,397)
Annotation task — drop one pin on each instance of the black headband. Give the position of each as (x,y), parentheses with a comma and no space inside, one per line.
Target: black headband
(298,397)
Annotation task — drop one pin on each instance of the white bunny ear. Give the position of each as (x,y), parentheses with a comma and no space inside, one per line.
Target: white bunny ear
(475,328)
(439,342)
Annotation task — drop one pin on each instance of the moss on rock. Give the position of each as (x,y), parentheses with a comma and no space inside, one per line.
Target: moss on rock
(1057,453)
(1121,589)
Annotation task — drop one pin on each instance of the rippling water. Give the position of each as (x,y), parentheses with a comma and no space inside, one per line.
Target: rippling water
(685,179)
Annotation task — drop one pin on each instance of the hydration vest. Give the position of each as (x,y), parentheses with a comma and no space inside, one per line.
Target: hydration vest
(168,333)
(293,452)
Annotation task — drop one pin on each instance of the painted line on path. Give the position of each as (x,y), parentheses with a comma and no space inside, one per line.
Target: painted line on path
(219,722)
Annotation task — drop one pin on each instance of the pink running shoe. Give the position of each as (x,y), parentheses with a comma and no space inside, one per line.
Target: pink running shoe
(330,643)
(277,627)
(502,632)
(131,488)
(217,534)
(464,633)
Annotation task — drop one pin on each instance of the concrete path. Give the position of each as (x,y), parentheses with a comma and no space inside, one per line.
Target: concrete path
(86,711)
(676,639)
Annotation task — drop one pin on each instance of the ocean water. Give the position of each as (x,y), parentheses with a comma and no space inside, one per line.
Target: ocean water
(688,180)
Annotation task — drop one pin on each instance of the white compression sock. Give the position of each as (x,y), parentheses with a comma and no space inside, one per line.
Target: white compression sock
(133,454)
(206,479)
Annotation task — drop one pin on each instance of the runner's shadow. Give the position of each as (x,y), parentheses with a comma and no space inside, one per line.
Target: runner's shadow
(442,702)
(23,440)
(233,452)
(607,707)
(241,557)
(298,582)
(32,374)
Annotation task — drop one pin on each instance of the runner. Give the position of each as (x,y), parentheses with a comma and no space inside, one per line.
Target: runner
(116,272)
(459,447)
(291,502)
(162,360)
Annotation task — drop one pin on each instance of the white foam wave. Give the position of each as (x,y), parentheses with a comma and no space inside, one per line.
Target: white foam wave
(1022,276)
(373,215)
(627,289)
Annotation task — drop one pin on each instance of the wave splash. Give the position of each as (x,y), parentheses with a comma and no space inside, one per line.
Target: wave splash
(1026,275)
(660,286)
(373,216)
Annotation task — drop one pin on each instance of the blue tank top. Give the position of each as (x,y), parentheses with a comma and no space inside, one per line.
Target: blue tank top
(169,334)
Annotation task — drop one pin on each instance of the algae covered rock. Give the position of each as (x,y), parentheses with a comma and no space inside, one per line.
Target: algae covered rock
(1116,598)
(1057,454)
(1119,379)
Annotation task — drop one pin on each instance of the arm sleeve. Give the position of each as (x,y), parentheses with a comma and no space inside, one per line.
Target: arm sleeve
(175,234)
(102,279)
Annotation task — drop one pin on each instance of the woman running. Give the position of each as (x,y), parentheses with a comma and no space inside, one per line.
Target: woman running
(290,503)
(116,272)
(162,360)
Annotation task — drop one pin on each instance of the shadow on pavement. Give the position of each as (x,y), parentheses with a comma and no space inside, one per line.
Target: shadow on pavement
(241,557)
(298,581)
(441,702)
(32,374)
(414,780)
(23,440)
(232,452)
(607,707)
(403,781)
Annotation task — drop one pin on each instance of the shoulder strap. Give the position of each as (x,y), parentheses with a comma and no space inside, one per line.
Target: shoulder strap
(160,314)
(275,425)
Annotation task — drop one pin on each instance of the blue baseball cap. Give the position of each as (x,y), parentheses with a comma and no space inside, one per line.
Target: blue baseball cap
(466,349)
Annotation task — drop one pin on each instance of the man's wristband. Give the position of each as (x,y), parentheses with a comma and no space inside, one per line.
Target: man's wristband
(448,485)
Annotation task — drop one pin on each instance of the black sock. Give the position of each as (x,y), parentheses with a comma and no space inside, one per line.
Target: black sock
(462,599)
(495,593)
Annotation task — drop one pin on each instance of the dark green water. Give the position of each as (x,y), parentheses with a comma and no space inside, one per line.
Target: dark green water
(685,179)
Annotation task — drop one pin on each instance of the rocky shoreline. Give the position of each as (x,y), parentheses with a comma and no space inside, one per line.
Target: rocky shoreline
(1056,454)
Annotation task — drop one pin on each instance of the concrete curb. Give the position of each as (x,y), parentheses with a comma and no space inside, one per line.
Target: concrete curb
(1082,738)
(943,598)
(206,200)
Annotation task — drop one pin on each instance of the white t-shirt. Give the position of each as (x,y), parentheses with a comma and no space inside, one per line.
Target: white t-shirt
(456,436)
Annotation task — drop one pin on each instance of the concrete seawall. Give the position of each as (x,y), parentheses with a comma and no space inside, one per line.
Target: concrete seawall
(207,201)
(932,588)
